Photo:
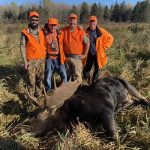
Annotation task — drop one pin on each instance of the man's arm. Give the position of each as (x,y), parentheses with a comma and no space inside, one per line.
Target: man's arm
(23,50)
(108,39)
(86,45)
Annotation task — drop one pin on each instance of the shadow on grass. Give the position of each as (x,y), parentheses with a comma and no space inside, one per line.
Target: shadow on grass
(12,75)
(11,107)
(10,144)
(143,55)
(14,72)
(139,55)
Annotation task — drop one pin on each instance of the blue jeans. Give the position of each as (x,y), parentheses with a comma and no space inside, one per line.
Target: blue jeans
(51,66)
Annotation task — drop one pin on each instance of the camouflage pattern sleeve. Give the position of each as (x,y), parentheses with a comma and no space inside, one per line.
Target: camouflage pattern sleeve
(23,48)
(85,39)
(86,45)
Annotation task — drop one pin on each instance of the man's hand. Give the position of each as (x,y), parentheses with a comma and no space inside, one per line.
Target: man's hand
(82,56)
(26,65)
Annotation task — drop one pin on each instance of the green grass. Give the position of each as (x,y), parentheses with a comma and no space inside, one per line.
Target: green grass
(129,57)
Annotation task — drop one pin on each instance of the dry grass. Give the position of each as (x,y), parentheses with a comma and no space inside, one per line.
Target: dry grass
(129,57)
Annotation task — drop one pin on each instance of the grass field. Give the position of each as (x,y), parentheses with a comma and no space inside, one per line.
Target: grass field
(129,57)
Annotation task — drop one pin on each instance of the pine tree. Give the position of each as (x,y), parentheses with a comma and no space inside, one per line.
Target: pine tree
(100,11)
(94,10)
(123,11)
(74,10)
(145,16)
(84,13)
(141,12)
(115,16)
(111,12)
(106,15)
(22,13)
(129,11)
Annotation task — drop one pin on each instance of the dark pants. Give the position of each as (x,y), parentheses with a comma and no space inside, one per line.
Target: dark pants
(91,59)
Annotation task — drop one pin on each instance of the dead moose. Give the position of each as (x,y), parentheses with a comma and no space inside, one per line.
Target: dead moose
(99,101)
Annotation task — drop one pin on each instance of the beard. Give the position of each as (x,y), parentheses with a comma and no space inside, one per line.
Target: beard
(34,26)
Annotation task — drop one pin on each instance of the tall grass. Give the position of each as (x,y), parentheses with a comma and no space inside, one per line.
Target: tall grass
(129,57)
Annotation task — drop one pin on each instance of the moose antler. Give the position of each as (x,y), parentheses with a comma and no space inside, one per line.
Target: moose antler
(62,93)
(33,99)
(56,100)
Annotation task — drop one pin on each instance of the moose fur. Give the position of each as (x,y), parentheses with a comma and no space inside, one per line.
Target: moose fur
(99,101)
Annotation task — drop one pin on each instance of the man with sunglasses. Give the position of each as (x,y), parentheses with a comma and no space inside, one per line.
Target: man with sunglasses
(33,51)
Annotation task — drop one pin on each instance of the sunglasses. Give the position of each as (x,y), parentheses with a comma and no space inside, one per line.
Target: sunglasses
(35,20)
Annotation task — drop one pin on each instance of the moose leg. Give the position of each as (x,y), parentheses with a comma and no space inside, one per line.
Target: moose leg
(108,123)
(124,105)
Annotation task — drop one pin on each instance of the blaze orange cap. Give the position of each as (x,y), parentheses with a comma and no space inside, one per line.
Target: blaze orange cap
(52,21)
(93,18)
(73,16)
(33,13)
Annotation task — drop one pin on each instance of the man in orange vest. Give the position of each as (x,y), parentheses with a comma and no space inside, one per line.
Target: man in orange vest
(75,45)
(33,51)
(55,55)
(100,41)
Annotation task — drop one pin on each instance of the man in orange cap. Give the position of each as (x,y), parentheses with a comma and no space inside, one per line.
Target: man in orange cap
(100,41)
(55,55)
(75,46)
(33,51)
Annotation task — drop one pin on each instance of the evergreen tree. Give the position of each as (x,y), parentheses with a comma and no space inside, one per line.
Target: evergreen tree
(129,12)
(111,12)
(115,16)
(123,11)
(22,13)
(84,13)
(136,13)
(141,12)
(145,16)
(106,15)
(100,11)
(94,10)
(74,10)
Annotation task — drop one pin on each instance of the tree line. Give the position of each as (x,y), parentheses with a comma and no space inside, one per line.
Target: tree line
(118,12)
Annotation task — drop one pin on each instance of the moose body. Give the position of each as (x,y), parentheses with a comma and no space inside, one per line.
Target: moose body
(99,101)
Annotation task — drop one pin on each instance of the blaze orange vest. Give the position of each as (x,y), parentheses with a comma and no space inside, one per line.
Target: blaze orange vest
(72,41)
(35,49)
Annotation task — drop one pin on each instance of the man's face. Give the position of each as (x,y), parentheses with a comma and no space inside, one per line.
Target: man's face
(52,27)
(93,24)
(34,21)
(72,23)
